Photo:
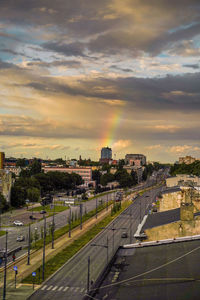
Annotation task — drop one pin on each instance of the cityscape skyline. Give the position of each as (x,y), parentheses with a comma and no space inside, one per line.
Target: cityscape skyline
(78,77)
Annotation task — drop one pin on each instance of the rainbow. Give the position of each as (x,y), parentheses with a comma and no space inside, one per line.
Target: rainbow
(112,125)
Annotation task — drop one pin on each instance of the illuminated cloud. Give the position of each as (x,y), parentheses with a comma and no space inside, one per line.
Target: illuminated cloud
(67,66)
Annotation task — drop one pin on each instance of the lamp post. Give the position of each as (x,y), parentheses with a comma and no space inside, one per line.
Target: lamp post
(96,207)
(88,275)
(53,227)
(5,267)
(81,213)
(70,221)
(29,243)
(43,258)
(104,246)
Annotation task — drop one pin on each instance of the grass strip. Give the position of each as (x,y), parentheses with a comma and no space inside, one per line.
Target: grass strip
(61,231)
(52,265)
(2,232)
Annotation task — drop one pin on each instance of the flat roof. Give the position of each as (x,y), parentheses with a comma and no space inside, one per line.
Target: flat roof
(161,218)
(169,271)
(172,190)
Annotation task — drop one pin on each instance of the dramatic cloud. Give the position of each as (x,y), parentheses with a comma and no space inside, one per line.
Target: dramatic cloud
(73,72)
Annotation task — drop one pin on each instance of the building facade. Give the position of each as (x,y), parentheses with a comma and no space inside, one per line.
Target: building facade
(135,159)
(84,172)
(5,183)
(106,153)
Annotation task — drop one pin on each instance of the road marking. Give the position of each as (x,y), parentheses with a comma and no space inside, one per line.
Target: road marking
(55,287)
(44,287)
(60,288)
(65,289)
(50,287)
(82,290)
(76,289)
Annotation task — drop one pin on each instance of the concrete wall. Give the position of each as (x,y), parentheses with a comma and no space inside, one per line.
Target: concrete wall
(174,230)
(170,201)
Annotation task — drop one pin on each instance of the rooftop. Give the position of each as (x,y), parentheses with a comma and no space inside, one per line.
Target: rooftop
(168,271)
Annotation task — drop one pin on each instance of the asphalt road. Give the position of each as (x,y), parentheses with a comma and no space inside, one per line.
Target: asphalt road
(70,282)
(60,219)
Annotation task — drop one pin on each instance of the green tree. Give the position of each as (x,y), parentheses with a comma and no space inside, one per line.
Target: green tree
(18,196)
(21,162)
(4,206)
(33,194)
(96,175)
(106,178)
(35,167)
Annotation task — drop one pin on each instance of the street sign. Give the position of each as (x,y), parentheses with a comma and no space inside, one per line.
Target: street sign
(33,274)
(15,268)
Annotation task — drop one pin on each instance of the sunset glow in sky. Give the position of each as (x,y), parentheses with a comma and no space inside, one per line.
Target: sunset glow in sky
(82,74)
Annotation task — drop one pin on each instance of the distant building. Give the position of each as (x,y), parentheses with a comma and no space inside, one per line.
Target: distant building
(84,172)
(106,155)
(135,159)
(2,160)
(5,183)
(187,160)
(106,152)
(179,179)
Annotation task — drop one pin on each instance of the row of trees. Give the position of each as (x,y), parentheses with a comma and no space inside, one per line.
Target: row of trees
(32,184)
(193,168)
(122,176)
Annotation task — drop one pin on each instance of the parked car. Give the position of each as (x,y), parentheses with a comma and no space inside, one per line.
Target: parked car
(43,212)
(124,235)
(32,218)
(20,238)
(18,223)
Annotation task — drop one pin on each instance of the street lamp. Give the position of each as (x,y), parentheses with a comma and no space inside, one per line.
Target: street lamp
(104,246)
(113,236)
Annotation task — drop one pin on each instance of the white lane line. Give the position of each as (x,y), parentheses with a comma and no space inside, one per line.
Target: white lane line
(66,288)
(60,288)
(44,287)
(82,290)
(76,289)
(55,287)
(49,288)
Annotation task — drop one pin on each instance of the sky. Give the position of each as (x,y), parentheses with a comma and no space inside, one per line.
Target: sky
(79,75)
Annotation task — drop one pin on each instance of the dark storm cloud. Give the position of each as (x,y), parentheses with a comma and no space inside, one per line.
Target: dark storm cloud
(28,126)
(147,26)
(5,65)
(73,49)
(69,64)
(181,92)
(192,66)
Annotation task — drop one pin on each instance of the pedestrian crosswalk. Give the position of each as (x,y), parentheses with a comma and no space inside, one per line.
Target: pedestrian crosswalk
(71,289)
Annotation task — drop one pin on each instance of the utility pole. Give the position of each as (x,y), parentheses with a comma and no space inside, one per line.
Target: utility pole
(140,211)
(107,203)
(29,243)
(81,213)
(96,207)
(70,221)
(53,227)
(5,267)
(130,225)
(88,277)
(107,248)
(113,229)
(43,260)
